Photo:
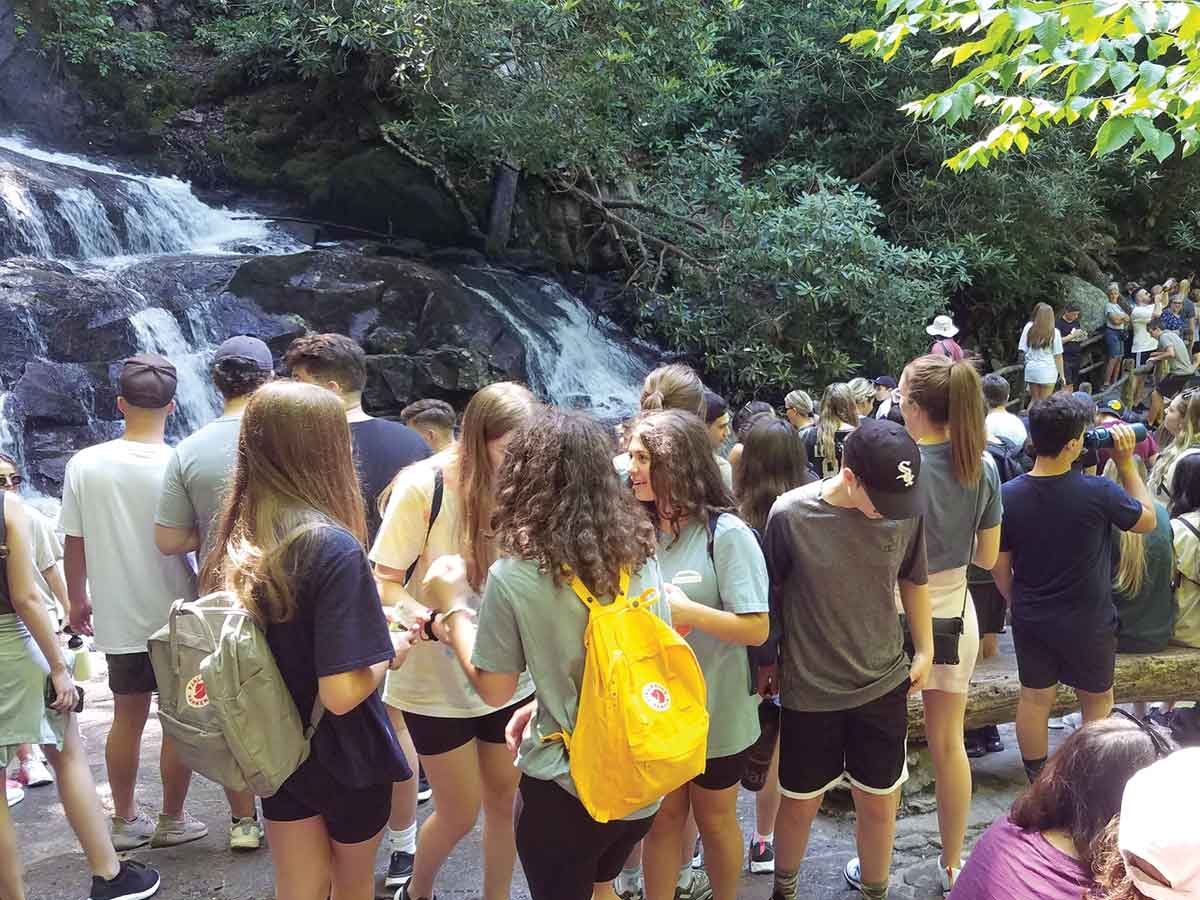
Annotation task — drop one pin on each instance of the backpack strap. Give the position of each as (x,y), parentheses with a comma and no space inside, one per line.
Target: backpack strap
(435,507)
(589,600)
(314,718)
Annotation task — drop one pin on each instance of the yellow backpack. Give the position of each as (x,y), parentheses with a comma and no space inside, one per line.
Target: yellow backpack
(642,727)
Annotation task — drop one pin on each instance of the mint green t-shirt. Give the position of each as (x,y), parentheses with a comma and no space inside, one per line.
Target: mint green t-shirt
(526,622)
(737,584)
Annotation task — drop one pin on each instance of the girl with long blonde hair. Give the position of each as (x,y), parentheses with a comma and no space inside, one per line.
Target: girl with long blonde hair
(1041,345)
(458,735)
(1182,422)
(943,406)
(824,441)
(290,547)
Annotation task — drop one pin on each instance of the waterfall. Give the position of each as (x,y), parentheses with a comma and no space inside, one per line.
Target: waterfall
(574,357)
(25,217)
(12,441)
(196,400)
(88,218)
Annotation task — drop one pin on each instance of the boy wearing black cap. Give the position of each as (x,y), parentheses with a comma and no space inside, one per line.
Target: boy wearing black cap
(194,487)
(837,550)
(110,492)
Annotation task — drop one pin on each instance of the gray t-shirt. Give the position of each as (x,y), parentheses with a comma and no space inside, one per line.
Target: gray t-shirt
(1180,361)
(196,478)
(833,581)
(737,584)
(1114,309)
(526,622)
(954,513)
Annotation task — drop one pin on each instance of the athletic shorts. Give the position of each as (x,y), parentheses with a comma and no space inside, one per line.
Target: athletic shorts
(990,607)
(722,772)
(433,735)
(866,746)
(1049,654)
(564,851)
(130,673)
(352,815)
(1141,357)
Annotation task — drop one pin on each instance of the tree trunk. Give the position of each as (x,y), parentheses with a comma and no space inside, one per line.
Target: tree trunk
(1173,674)
(504,194)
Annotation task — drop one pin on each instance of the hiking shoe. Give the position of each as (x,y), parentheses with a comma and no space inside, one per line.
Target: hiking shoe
(698,854)
(402,894)
(245,834)
(172,832)
(131,835)
(947,875)
(135,881)
(853,874)
(14,791)
(424,791)
(632,894)
(991,739)
(32,772)
(975,745)
(762,857)
(699,889)
(400,869)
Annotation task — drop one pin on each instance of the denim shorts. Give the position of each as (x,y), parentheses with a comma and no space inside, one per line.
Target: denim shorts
(1114,343)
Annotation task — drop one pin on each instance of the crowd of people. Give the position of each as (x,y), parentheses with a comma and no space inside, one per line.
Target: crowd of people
(421,581)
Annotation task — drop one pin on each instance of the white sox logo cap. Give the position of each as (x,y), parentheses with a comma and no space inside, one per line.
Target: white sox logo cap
(887,461)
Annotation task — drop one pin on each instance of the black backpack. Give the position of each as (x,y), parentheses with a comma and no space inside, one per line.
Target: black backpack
(1010,459)
(751,652)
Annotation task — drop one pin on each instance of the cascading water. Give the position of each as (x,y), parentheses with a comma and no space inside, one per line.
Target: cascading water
(196,399)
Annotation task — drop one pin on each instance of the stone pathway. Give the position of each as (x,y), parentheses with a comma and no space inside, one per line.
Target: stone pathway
(208,870)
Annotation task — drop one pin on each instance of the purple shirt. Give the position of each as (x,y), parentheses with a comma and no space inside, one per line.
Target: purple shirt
(1008,863)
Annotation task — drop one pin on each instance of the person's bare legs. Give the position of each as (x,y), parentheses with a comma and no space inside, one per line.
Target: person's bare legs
(77,791)
(241,804)
(603,890)
(1039,392)
(944,715)
(302,856)
(766,801)
(1095,706)
(404,793)
(721,832)
(457,790)
(176,777)
(123,748)
(875,828)
(12,885)
(499,778)
(989,646)
(353,869)
(691,831)
(1033,718)
(662,848)
(793,827)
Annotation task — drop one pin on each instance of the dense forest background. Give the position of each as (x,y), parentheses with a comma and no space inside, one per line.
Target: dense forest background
(760,202)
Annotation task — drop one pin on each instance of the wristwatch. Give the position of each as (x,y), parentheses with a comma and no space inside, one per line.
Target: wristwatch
(445,615)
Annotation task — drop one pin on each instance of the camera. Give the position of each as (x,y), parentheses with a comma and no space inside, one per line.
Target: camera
(1102,438)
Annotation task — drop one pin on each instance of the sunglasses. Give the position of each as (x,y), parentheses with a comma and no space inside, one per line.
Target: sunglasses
(1162,746)
(11,480)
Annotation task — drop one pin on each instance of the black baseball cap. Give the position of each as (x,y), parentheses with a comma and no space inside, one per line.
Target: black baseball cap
(886,381)
(1113,407)
(248,349)
(147,381)
(885,458)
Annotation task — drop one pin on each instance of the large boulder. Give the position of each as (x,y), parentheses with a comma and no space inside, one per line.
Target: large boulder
(1090,299)
(380,190)
(33,92)
(53,394)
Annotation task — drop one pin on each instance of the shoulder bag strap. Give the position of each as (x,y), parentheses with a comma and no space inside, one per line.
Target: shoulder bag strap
(974,532)
(435,507)
(314,718)
(1192,528)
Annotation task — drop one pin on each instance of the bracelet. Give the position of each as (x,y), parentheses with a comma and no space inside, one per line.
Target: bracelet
(428,629)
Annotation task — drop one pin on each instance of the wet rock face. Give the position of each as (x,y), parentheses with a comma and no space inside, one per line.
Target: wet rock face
(32,94)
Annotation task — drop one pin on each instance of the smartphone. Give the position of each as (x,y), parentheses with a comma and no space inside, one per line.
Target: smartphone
(78,708)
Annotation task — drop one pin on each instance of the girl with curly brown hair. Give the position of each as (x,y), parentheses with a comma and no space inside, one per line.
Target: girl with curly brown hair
(560,508)
(456,732)
(718,590)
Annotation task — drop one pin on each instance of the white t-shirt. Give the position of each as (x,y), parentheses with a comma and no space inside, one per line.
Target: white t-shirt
(431,682)
(110,494)
(1141,316)
(47,553)
(1002,423)
(1040,366)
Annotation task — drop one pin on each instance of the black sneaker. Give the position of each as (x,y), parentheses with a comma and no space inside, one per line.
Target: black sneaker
(74,642)
(975,745)
(991,739)
(135,881)
(399,869)
(402,894)
(424,791)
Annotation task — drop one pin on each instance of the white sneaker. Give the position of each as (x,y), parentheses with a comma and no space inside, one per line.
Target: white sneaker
(245,834)
(14,791)
(170,832)
(1055,724)
(1074,721)
(131,835)
(948,875)
(32,772)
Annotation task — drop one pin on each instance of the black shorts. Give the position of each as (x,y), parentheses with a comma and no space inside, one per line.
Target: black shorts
(130,673)
(1173,384)
(990,607)
(352,815)
(866,746)
(1141,357)
(722,772)
(1071,370)
(563,850)
(433,735)
(1048,655)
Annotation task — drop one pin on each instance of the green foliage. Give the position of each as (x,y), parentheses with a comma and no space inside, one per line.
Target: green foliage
(1129,64)
(83,34)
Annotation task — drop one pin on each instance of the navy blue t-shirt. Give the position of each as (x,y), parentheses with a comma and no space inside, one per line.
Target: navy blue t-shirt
(1057,529)
(339,627)
(381,449)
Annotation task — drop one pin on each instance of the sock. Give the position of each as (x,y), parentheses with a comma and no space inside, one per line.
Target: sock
(1033,768)
(767,838)
(629,881)
(404,840)
(685,876)
(874,891)
(785,883)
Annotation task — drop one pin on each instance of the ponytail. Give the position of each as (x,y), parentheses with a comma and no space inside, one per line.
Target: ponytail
(950,392)
(674,386)
(652,401)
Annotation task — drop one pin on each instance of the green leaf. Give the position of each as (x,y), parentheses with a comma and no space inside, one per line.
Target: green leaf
(1023,18)
(1151,74)
(1164,146)
(1113,135)
(1146,128)
(1021,139)
(1121,75)
(1089,73)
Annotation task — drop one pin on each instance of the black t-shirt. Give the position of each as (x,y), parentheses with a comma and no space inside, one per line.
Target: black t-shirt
(821,467)
(1073,349)
(339,627)
(1057,529)
(381,449)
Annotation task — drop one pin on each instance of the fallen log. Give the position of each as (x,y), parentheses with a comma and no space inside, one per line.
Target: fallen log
(1173,674)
